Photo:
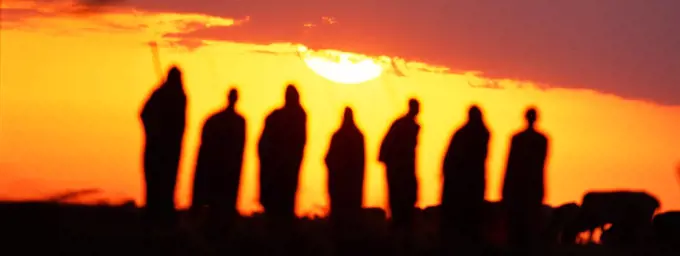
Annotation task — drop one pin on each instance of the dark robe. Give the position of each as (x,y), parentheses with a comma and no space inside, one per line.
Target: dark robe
(346,163)
(523,187)
(465,180)
(398,153)
(219,162)
(164,119)
(281,149)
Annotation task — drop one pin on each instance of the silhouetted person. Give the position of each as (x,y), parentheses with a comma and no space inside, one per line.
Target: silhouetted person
(523,187)
(465,181)
(398,153)
(346,163)
(220,157)
(281,149)
(164,118)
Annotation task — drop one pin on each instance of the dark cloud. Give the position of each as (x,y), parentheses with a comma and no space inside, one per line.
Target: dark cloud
(627,47)
(12,18)
(101,2)
(188,44)
(18,10)
(85,7)
(488,84)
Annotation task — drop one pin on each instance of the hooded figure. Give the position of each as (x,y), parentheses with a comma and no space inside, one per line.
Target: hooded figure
(523,187)
(398,153)
(281,149)
(465,178)
(346,163)
(220,157)
(164,118)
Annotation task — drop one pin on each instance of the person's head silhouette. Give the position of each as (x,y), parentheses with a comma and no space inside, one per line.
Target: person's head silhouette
(413,107)
(531,116)
(232,97)
(475,115)
(174,75)
(292,96)
(348,116)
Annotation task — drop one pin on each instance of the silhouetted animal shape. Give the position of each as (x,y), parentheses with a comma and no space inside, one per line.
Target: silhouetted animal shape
(629,213)
(667,228)
(281,149)
(164,120)
(560,218)
(398,153)
(220,158)
(464,172)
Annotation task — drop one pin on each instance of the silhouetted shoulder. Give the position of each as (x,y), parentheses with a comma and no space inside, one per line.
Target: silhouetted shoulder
(532,135)
(240,118)
(542,137)
(273,116)
(149,105)
(212,118)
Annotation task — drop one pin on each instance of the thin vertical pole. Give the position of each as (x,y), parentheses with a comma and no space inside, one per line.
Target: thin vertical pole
(156,58)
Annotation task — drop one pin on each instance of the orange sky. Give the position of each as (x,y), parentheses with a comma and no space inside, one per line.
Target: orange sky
(69,106)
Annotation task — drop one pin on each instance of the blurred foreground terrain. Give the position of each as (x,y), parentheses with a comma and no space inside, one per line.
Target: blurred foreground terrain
(77,229)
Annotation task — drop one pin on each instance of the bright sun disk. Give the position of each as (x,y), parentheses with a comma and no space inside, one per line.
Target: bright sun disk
(339,67)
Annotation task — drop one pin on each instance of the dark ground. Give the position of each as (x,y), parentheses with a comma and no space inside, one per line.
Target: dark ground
(69,229)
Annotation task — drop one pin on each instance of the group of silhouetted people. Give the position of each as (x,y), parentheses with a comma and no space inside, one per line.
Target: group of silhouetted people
(464,187)
(281,150)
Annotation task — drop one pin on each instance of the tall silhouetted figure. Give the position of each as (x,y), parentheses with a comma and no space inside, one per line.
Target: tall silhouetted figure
(398,153)
(465,181)
(346,163)
(281,149)
(220,157)
(523,188)
(164,118)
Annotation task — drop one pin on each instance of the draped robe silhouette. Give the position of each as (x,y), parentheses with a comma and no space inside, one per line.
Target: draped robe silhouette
(398,153)
(523,187)
(164,119)
(219,162)
(346,164)
(281,149)
(464,172)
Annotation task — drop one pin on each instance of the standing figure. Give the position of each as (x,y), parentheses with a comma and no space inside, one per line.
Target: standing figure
(465,181)
(398,153)
(281,149)
(346,164)
(164,119)
(219,162)
(523,187)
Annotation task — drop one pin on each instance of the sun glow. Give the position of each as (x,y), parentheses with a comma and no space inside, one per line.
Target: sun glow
(341,67)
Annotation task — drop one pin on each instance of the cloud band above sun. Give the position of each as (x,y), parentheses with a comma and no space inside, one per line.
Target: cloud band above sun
(624,47)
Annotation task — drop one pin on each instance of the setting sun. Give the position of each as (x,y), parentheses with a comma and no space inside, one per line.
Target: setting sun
(340,127)
(340,67)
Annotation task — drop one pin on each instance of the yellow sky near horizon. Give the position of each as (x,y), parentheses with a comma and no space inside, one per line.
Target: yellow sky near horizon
(69,106)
